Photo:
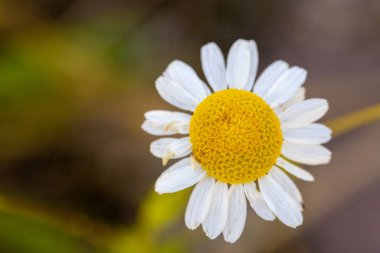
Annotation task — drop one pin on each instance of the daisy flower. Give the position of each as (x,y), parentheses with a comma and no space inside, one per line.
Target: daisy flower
(242,138)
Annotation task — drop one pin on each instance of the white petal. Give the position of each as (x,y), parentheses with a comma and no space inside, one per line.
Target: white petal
(199,203)
(185,76)
(159,147)
(214,66)
(310,134)
(304,113)
(298,97)
(180,147)
(257,202)
(277,110)
(242,62)
(217,215)
(162,116)
(179,176)
(279,201)
(170,148)
(269,77)
(159,122)
(294,170)
(306,154)
(237,213)
(176,95)
(286,86)
(287,185)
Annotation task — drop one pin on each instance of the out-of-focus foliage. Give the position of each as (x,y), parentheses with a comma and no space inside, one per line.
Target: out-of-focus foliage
(41,231)
(152,232)
(50,76)
(36,237)
(45,80)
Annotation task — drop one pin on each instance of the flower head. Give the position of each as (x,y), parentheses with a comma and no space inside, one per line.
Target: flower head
(244,138)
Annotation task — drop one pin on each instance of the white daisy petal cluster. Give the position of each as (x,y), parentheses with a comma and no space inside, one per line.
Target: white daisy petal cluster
(217,202)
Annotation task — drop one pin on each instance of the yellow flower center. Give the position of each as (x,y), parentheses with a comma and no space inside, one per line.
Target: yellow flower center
(236,136)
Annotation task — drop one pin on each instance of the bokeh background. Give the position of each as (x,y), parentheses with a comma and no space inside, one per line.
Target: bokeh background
(76,77)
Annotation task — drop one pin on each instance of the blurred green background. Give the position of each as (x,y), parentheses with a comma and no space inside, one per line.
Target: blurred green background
(76,77)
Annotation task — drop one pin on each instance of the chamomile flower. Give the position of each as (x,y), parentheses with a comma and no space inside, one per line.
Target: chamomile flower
(242,138)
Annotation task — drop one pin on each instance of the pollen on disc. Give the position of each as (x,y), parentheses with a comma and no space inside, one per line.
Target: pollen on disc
(236,136)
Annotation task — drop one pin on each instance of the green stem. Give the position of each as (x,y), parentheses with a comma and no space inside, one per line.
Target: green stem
(354,120)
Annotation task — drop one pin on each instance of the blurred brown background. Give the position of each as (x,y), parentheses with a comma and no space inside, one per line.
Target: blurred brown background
(76,77)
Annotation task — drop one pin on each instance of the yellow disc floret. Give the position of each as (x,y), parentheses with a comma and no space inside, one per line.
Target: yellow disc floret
(236,136)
